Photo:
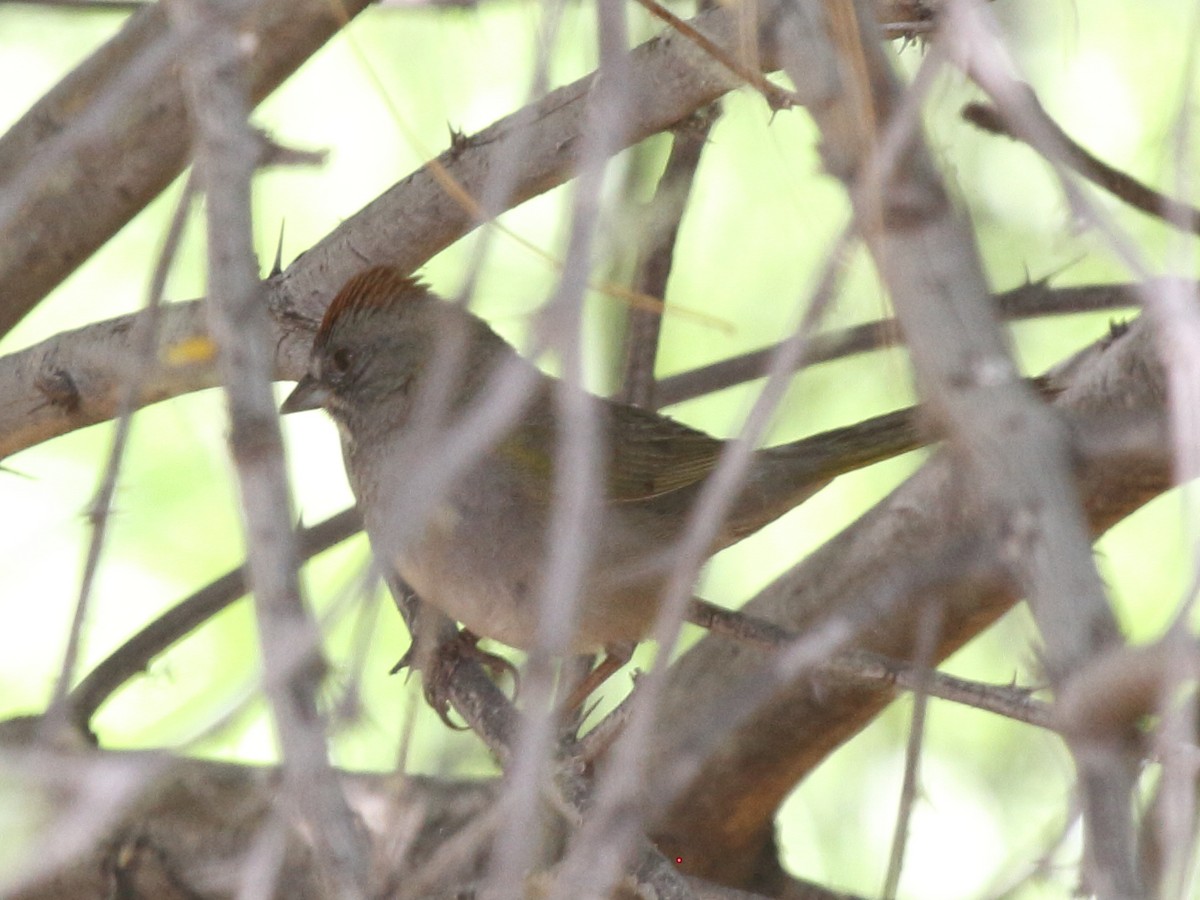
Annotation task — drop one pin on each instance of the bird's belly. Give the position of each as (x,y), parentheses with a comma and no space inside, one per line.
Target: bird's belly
(486,571)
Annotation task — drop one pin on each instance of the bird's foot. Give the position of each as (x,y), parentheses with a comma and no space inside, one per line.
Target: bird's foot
(615,656)
(438,668)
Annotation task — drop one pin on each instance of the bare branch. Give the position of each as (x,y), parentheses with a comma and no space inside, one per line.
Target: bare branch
(143,339)
(121,113)
(226,159)
(421,215)
(1015,451)
(803,724)
(654,264)
(135,654)
(72,380)
(1028,301)
(1120,184)
(926,642)
(776,96)
(864,668)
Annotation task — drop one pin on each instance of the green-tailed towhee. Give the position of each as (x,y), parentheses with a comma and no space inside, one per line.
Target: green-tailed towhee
(481,554)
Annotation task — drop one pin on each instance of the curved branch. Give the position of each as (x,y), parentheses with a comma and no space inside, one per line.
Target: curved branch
(135,654)
(1120,184)
(71,381)
(756,766)
(111,135)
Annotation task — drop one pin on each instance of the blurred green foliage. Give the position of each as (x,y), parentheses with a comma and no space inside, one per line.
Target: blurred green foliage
(756,234)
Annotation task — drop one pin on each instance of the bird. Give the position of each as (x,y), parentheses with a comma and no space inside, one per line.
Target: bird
(481,553)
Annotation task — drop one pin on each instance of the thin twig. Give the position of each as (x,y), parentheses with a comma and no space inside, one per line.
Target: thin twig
(926,647)
(1120,184)
(143,345)
(1033,300)
(776,96)
(865,668)
(654,265)
(574,510)
(133,656)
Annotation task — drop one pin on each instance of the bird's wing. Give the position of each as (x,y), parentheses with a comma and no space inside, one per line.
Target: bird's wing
(647,454)
(650,455)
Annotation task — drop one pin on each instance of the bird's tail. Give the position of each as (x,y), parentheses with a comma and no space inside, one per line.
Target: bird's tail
(786,475)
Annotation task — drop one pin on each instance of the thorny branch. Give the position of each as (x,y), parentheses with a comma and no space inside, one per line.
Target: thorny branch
(66,383)
(121,112)
(226,157)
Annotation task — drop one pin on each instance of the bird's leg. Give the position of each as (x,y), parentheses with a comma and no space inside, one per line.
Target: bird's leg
(467,647)
(615,656)
(438,664)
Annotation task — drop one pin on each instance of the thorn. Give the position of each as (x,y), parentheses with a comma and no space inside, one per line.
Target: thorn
(58,387)
(273,153)
(458,140)
(405,662)
(277,267)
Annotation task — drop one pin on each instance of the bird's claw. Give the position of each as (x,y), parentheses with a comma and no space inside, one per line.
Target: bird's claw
(437,672)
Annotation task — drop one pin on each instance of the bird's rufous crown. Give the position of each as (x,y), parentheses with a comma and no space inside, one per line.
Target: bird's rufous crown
(376,288)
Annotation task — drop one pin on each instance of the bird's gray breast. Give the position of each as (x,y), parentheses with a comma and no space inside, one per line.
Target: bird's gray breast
(472,548)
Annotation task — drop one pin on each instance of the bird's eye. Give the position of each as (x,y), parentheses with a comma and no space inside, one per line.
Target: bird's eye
(340,361)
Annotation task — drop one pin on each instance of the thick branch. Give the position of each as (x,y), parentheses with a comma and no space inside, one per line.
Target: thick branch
(198,819)
(49,390)
(71,381)
(1014,453)
(757,766)
(113,134)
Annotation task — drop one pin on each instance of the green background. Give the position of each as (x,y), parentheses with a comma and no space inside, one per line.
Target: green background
(993,794)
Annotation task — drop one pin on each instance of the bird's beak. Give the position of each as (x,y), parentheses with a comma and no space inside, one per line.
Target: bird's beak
(308,394)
